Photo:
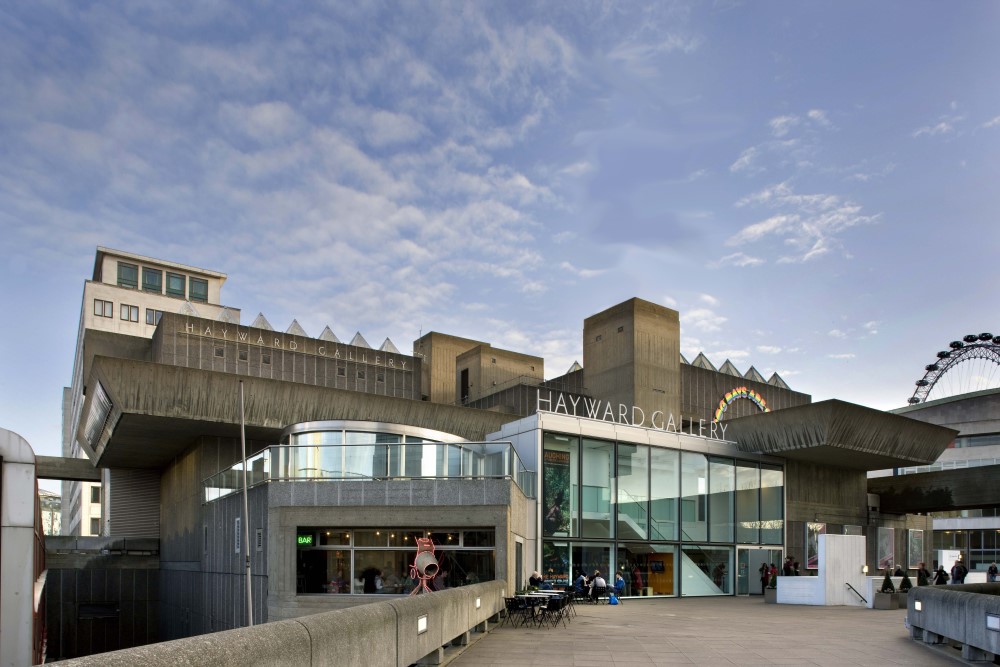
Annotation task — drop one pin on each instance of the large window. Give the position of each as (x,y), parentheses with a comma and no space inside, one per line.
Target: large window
(152,280)
(598,462)
(706,570)
(694,490)
(128,275)
(664,493)
(377,560)
(721,483)
(153,316)
(198,289)
(648,569)
(129,313)
(175,284)
(772,504)
(560,456)
(747,503)
(633,491)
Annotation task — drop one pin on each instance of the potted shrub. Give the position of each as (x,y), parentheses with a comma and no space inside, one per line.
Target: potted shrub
(884,597)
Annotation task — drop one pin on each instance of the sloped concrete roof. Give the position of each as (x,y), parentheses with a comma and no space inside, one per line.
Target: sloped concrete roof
(840,434)
(158,411)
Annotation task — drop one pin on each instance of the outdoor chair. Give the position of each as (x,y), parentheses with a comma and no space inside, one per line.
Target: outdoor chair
(598,593)
(619,592)
(553,610)
(517,612)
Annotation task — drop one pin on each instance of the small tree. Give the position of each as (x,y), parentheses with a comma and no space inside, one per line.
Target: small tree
(905,585)
(887,586)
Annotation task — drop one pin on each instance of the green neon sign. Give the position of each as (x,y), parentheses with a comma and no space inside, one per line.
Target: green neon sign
(306,540)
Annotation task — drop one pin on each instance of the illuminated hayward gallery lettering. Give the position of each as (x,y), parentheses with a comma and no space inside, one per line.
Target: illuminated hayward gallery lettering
(592,408)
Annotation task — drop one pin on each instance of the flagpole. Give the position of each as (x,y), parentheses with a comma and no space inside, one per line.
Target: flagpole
(246,510)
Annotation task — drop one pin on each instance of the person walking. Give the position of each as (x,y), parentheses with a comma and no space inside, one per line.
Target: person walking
(958,572)
(923,576)
(940,577)
(765,575)
(991,573)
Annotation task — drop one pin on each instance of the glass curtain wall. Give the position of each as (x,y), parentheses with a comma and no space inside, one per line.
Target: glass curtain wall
(721,486)
(633,491)
(772,504)
(747,503)
(678,515)
(694,491)
(560,485)
(597,468)
(664,493)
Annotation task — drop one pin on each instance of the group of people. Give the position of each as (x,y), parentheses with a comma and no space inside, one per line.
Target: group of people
(942,577)
(592,586)
(769,572)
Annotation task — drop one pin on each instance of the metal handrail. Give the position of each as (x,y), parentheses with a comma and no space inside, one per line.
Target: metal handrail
(848,584)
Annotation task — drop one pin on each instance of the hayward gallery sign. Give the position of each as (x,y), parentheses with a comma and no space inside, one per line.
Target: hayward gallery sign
(629,415)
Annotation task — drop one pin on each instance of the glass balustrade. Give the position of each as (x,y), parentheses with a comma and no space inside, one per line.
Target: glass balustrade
(376,460)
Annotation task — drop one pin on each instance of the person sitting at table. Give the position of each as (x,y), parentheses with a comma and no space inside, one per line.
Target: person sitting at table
(619,584)
(580,583)
(597,585)
(535,579)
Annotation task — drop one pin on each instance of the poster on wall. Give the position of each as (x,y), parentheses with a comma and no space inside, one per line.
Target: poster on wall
(853,530)
(813,531)
(914,548)
(556,492)
(886,552)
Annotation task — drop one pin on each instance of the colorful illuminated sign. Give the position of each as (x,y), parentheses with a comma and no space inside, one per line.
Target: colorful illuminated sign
(740,392)
(306,540)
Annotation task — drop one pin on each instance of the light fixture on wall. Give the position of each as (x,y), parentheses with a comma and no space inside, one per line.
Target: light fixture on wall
(864,569)
(918,605)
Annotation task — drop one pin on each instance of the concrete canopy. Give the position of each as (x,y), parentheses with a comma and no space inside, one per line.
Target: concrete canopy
(841,434)
(159,411)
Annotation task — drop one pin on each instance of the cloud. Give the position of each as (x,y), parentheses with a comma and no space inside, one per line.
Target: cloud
(769,349)
(818,116)
(845,356)
(669,302)
(744,163)
(577,168)
(946,125)
(994,122)
(737,259)
(871,327)
(808,224)
(581,273)
(703,319)
(782,125)
(836,333)
(709,299)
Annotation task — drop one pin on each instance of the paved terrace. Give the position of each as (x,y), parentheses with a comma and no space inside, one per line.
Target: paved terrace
(711,631)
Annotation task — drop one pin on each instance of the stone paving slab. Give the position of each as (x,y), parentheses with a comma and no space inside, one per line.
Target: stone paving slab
(711,631)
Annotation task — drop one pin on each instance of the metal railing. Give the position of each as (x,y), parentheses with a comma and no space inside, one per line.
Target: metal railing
(375,462)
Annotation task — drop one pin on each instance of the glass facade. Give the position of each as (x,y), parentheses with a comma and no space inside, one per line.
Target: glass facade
(678,516)
(377,560)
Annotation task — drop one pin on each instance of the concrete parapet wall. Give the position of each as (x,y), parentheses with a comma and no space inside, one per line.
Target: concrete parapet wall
(956,613)
(387,633)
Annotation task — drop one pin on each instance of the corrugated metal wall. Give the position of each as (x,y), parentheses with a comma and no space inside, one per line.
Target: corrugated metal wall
(135,503)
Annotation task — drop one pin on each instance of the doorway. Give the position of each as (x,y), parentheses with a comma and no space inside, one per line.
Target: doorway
(748,563)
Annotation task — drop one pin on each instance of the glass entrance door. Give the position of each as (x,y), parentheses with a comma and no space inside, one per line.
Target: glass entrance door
(749,561)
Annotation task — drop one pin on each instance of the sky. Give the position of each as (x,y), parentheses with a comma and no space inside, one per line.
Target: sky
(812,185)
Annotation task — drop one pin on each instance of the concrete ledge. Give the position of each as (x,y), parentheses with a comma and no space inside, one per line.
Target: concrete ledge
(389,633)
(956,613)
(281,643)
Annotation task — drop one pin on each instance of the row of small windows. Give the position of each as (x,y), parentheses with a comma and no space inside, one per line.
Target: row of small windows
(152,281)
(127,312)
(265,358)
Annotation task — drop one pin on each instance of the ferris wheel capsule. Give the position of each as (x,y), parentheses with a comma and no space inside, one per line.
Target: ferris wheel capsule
(970,338)
(985,336)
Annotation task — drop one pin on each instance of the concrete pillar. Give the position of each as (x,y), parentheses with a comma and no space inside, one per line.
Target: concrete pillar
(435,657)
(916,633)
(932,637)
(461,640)
(973,654)
(484,626)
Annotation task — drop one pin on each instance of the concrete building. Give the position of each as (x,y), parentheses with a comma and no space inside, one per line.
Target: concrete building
(121,308)
(961,489)
(51,509)
(683,476)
